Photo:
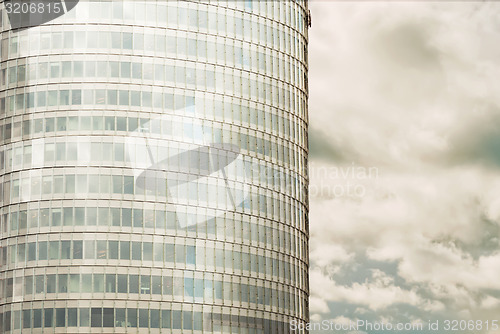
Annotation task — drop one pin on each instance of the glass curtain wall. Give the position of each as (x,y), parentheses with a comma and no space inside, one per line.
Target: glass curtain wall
(153,168)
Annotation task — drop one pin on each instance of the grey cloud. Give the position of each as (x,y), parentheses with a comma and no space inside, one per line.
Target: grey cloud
(486,244)
(411,88)
(479,140)
(408,44)
(321,147)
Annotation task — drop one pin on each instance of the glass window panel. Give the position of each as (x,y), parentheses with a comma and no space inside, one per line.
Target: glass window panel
(155,318)
(98,283)
(135,98)
(121,124)
(198,288)
(48,317)
(103,217)
(89,249)
(167,285)
(84,317)
(39,283)
(28,285)
(165,319)
(188,287)
(115,40)
(54,250)
(70,184)
(78,69)
(86,283)
(37,318)
(127,40)
(146,99)
(147,251)
(124,250)
(74,283)
(66,249)
(102,68)
(126,217)
(112,97)
(90,69)
(79,216)
(187,320)
(115,216)
(92,39)
(108,317)
(62,283)
(42,250)
(120,317)
(104,183)
(76,97)
(123,97)
(109,123)
(117,184)
(110,283)
(113,250)
(156,285)
(143,318)
(72,317)
(114,69)
(88,96)
(125,69)
(145,284)
(101,249)
(137,70)
(51,283)
(32,251)
(100,96)
(176,320)
(136,251)
(122,284)
(96,317)
(133,284)
(191,255)
(132,317)
(54,70)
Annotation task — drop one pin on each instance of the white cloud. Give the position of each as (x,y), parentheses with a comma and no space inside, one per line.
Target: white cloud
(315,317)
(376,294)
(324,254)
(318,305)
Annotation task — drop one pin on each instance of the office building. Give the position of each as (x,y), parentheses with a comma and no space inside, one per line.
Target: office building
(153,162)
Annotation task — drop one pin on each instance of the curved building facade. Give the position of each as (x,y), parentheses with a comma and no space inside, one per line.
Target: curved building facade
(153,165)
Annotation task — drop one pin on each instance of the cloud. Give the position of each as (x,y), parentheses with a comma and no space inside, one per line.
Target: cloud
(392,82)
(323,254)
(322,148)
(318,305)
(410,89)
(377,293)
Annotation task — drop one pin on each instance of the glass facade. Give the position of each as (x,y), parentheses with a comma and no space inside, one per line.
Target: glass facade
(153,161)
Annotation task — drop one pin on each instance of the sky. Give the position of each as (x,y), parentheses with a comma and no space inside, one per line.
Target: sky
(404,140)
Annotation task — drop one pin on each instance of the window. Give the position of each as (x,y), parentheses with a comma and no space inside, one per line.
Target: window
(98,283)
(124,250)
(111,283)
(74,283)
(96,317)
(108,317)
(134,284)
(127,40)
(132,317)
